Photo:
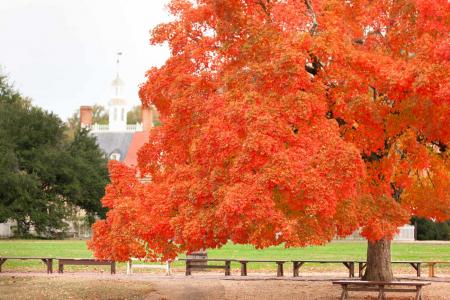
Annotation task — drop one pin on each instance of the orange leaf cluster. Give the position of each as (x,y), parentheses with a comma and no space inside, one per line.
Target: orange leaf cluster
(287,122)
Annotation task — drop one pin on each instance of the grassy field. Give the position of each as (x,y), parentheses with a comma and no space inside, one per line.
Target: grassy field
(331,251)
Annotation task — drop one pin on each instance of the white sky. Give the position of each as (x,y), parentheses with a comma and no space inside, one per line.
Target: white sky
(62,53)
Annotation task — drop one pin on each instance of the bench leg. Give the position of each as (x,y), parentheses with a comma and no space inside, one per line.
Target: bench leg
(361,267)
(430,270)
(418,293)
(381,295)
(113,267)
(344,293)
(60,268)
(227,268)
(168,268)
(416,267)
(2,261)
(188,268)
(129,267)
(49,263)
(296,267)
(280,272)
(243,268)
(351,268)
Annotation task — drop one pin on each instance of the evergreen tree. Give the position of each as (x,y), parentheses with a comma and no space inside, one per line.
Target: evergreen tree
(44,175)
(92,174)
(431,230)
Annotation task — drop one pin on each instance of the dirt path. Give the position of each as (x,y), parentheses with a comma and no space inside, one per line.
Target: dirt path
(255,288)
(41,286)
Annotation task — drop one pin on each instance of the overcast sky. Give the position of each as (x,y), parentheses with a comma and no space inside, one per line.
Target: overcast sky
(62,53)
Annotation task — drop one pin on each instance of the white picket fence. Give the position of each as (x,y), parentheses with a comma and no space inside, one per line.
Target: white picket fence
(105,127)
(405,233)
(5,230)
(164,266)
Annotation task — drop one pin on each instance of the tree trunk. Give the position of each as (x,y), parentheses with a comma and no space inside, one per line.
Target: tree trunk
(23,228)
(415,228)
(379,261)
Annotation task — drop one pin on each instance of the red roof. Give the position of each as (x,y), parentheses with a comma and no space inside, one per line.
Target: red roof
(138,140)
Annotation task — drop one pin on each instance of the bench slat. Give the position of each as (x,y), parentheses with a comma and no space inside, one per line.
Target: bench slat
(361,282)
(82,262)
(376,290)
(381,287)
(85,261)
(325,261)
(205,259)
(24,258)
(48,261)
(207,267)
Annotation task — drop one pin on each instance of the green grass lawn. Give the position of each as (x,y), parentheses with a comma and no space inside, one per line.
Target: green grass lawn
(332,251)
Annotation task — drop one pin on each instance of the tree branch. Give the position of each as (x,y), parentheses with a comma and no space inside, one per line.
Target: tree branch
(311,11)
(396,191)
(429,177)
(442,147)
(264,7)
(362,40)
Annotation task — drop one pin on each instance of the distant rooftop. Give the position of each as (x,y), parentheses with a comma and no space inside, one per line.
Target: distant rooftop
(114,144)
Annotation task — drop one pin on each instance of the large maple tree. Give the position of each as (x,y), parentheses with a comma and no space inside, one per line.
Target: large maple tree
(288,122)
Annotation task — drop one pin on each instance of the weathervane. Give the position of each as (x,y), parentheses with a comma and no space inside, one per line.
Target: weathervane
(118,63)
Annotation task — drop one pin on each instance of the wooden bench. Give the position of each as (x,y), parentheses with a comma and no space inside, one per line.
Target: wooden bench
(48,261)
(381,287)
(350,265)
(191,264)
(244,262)
(431,268)
(86,262)
(415,264)
(131,265)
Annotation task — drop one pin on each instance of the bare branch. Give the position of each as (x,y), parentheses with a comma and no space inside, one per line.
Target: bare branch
(442,146)
(429,177)
(311,11)
(362,40)
(396,191)
(264,7)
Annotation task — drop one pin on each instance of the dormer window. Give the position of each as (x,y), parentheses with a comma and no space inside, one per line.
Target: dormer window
(115,155)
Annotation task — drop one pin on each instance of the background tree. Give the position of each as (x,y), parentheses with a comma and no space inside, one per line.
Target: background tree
(100,115)
(289,122)
(43,174)
(430,230)
(91,174)
(134,115)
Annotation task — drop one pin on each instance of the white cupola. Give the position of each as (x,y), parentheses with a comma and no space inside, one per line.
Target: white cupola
(118,105)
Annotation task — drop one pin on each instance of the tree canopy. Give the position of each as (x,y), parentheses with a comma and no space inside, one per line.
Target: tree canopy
(287,122)
(43,174)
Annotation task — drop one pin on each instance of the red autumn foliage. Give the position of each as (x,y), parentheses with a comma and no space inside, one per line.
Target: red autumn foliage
(287,122)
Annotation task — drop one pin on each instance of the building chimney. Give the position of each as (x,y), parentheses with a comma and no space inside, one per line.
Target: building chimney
(147,118)
(85,116)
